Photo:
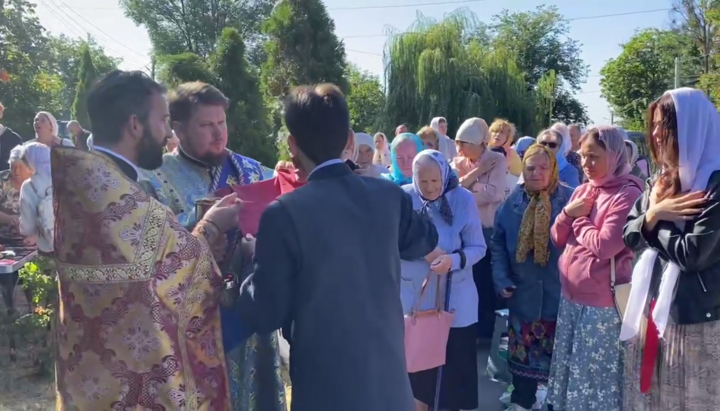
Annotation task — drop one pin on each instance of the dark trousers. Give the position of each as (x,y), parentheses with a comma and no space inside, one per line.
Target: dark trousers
(488,301)
(524,392)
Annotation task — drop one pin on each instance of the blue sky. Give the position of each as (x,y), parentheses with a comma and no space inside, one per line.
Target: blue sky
(363,30)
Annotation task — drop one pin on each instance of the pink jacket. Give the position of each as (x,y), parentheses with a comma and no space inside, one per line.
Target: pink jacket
(591,242)
(489,190)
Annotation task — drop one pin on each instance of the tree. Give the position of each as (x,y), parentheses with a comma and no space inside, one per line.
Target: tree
(642,72)
(183,68)
(30,87)
(434,70)
(693,19)
(248,122)
(64,57)
(301,48)
(540,40)
(365,99)
(86,77)
(195,26)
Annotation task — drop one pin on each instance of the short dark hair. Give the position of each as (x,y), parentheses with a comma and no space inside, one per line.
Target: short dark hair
(319,120)
(115,98)
(188,96)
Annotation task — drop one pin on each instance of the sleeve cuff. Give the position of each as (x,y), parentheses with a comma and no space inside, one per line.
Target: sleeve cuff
(563,218)
(456,260)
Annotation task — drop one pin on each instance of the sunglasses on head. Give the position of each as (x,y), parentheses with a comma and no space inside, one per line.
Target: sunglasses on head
(548,144)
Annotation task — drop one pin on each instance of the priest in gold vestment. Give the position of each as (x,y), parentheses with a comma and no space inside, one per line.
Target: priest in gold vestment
(138,321)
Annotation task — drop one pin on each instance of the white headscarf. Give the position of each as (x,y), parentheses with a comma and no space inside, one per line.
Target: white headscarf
(37,156)
(382,158)
(51,120)
(562,128)
(364,139)
(635,152)
(446,145)
(698,124)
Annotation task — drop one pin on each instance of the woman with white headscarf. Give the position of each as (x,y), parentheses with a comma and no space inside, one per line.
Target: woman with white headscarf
(46,130)
(382,151)
(445,144)
(36,213)
(363,156)
(675,296)
(571,157)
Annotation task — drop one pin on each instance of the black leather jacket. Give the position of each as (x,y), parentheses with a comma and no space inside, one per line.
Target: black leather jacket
(696,250)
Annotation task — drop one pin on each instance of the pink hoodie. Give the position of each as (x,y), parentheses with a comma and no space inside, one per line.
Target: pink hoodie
(590,242)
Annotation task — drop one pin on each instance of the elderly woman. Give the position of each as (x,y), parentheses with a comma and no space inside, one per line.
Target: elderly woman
(484,173)
(436,194)
(554,140)
(445,143)
(525,271)
(36,211)
(587,370)
(382,151)
(403,150)
(363,156)
(46,130)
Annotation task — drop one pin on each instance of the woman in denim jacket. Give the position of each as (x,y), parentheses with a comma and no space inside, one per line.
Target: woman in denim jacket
(525,271)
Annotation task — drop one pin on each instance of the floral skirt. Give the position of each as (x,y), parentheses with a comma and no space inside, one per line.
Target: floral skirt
(530,348)
(587,364)
(686,373)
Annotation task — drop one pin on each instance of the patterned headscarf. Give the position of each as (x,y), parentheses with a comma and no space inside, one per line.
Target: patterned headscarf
(535,227)
(395,174)
(449,183)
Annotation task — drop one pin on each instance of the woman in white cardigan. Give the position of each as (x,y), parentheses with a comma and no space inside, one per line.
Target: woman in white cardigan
(36,217)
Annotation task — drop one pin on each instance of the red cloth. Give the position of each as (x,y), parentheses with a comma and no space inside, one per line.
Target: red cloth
(649,354)
(257,196)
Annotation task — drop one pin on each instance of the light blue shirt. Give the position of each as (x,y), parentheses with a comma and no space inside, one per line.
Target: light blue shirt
(466,233)
(325,164)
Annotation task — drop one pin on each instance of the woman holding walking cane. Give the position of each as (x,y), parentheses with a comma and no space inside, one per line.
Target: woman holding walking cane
(437,195)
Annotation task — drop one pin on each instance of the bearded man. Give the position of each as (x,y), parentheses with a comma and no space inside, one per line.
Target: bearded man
(199,166)
(138,320)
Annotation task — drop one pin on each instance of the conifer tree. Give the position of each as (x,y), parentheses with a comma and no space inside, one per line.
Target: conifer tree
(86,76)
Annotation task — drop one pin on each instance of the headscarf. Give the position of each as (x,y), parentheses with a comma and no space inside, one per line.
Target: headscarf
(435,124)
(523,143)
(395,174)
(90,142)
(37,156)
(382,157)
(698,126)
(634,150)
(616,154)
(449,183)
(535,226)
(363,139)
(560,155)
(564,131)
(15,154)
(446,145)
(51,120)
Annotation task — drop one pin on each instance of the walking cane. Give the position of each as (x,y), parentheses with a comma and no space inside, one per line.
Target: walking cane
(448,287)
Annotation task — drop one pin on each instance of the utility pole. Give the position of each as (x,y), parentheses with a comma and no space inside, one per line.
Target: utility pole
(612,118)
(677,72)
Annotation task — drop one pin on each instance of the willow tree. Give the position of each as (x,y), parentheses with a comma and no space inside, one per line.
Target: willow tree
(438,69)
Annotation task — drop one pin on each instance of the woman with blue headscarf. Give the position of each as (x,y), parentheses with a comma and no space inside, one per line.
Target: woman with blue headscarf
(403,150)
(36,217)
(523,144)
(559,145)
(438,196)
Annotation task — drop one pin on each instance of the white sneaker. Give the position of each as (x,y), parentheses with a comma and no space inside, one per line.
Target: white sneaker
(515,407)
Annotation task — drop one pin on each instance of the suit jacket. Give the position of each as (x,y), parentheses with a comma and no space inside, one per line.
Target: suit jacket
(8,140)
(327,258)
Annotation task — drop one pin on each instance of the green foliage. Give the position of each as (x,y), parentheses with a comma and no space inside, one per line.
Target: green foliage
(195,26)
(30,88)
(184,67)
(641,73)
(64,59)
(365,99)
(248,120)
(86,77)
(301,48)
(39,277)
(434,70)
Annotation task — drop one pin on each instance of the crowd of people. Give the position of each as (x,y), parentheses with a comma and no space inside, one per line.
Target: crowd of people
(160,310)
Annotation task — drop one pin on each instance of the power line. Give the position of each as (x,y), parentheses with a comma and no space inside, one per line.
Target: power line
(599,16)
(363,52)
(400,6)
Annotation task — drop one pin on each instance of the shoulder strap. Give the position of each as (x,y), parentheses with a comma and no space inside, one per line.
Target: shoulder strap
(34,189)
(612,273)
(416,305)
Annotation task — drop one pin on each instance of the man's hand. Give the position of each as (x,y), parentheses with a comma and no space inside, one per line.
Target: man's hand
(224,214)
(219,249)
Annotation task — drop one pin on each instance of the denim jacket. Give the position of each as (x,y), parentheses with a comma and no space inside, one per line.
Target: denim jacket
(537,292)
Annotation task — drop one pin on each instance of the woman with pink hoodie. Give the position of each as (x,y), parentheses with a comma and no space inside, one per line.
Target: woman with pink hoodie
(587,369)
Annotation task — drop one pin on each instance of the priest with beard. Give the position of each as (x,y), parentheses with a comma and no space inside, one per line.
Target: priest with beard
(200,166)
(138,324)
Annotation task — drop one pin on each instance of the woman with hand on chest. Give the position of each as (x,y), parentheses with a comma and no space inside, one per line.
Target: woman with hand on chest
(587,367)
(671,320)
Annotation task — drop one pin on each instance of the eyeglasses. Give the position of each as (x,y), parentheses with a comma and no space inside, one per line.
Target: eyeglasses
(548,144)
